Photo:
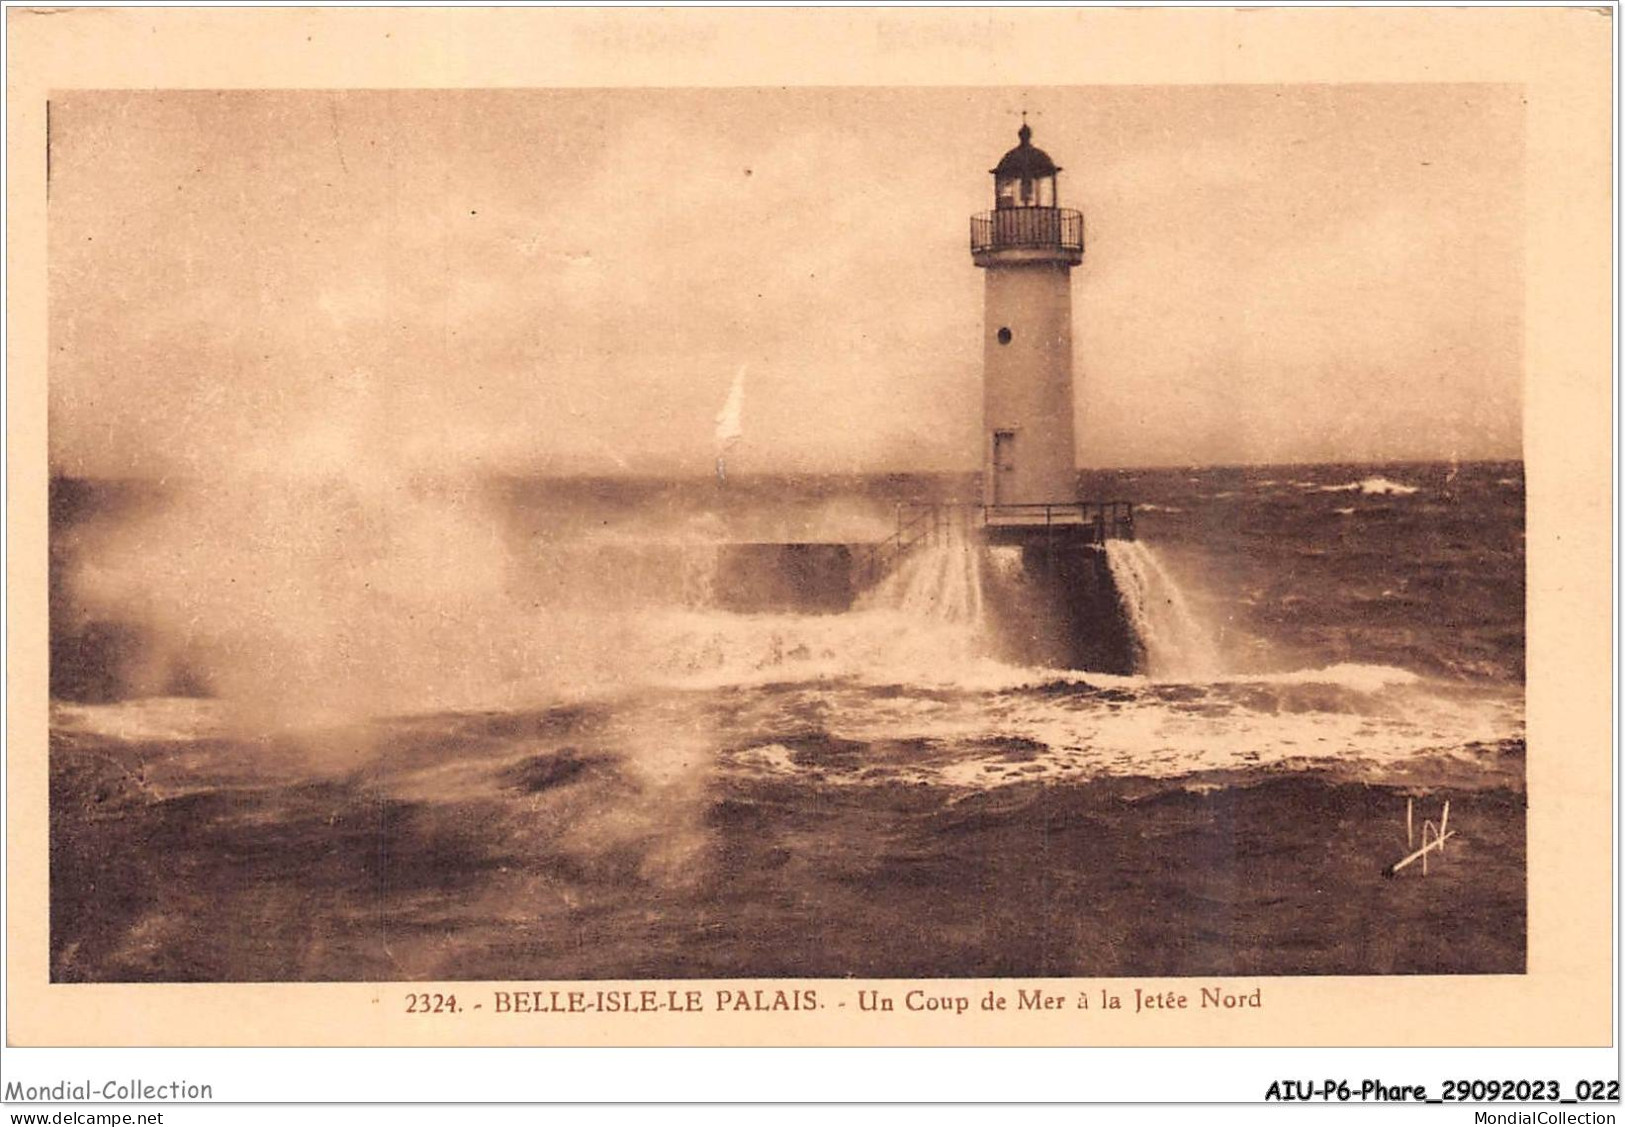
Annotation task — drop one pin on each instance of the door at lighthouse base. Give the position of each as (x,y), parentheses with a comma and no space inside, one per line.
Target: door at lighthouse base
(1004,465)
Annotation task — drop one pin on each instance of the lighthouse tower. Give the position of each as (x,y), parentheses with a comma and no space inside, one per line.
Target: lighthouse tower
(1028,245)
(1061,606)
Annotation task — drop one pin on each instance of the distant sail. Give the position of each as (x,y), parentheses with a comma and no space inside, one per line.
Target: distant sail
(731,419)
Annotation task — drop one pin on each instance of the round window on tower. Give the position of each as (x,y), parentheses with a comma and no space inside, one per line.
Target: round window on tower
(1004,335)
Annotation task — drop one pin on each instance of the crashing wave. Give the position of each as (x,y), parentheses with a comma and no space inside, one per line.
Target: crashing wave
(1380,486)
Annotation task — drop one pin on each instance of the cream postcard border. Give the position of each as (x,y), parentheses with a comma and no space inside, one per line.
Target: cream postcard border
(1561,57)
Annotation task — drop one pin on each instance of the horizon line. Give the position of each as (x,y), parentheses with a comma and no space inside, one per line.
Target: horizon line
(696,475)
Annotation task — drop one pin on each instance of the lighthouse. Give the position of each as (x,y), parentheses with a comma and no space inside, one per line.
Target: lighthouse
(1028,245)
(1039,558)
(1054,598)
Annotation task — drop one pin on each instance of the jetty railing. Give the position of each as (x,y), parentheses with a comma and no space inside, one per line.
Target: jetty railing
(1104,516)
(921,524)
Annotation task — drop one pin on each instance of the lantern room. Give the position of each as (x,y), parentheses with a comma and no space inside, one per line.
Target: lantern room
(1026,175)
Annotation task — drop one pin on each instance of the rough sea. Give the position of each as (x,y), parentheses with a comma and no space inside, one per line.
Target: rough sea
(389,729)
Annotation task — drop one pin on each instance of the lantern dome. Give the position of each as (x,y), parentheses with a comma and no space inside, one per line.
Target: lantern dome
(1025,161)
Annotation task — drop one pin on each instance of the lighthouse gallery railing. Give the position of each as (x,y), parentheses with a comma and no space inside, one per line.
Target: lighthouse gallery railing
(1015,227)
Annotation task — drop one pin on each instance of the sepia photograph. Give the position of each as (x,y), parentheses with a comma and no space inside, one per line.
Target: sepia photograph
(787,532)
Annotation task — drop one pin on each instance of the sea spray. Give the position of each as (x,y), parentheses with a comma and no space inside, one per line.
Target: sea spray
(311,601)
(1173,639)
(733,776)
(939,582)
(310,595)
(699,572)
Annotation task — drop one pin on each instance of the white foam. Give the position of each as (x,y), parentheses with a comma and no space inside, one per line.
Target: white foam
(1382,485)
(768,759)
(1347,675)
(1174,640)
(940,582)
(1076,737)
(149,718)
(1371,486)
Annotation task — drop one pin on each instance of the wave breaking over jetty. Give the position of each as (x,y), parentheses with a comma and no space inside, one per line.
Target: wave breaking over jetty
(1171,638)
(587,760)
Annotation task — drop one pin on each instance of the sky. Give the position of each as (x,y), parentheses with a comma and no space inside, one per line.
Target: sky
(569,281)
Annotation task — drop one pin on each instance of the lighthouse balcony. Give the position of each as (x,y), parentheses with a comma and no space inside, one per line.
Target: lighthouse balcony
(1052,232)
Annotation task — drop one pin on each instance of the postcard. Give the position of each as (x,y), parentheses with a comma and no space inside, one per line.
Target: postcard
(810,527)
